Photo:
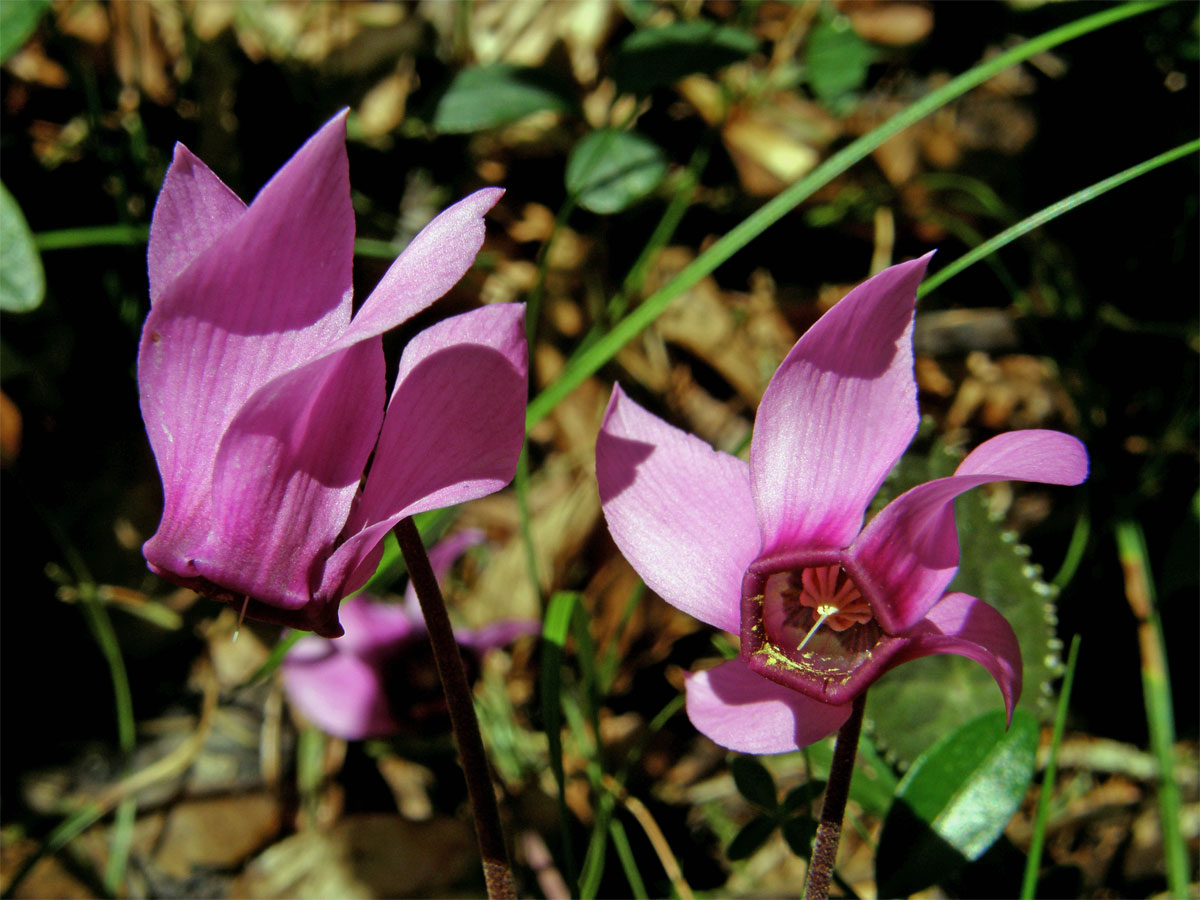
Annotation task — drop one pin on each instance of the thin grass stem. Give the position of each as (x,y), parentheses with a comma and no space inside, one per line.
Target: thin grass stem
(590,361)
(555,626)
(1053,211)
(1041,817)
(620,840)
(525,523)
(1156,692)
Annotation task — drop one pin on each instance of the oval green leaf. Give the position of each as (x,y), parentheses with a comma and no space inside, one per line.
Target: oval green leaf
(837,62)
(497,94)
(610,170)
(22,280)
(754,782)
(955,802)
(752,836)
(18,19)
(655,57)
(799,833)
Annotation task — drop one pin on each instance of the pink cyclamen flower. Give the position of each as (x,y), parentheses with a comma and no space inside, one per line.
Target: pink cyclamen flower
(264,397)
(776,551)
(378,678)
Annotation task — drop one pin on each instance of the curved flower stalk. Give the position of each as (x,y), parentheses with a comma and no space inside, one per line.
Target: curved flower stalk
(776,552)
(378,679)
(263,397)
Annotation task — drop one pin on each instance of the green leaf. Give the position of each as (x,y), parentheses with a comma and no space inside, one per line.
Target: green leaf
(655,57)
(18,19)
(752,836)
(799,833)
(837,60)
(497,94)
(802,795)
(610,170)
(915,704)
(955,802)
(754,782)
(22,281)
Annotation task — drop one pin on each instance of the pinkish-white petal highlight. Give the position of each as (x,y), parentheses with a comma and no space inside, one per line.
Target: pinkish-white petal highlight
(838,413)
(908,554)
(966,626)
(680,512)
(747,713)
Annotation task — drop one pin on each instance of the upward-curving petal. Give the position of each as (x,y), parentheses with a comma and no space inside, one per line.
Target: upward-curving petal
(680,512)
(430,265)
(836,416)
(266,296)
(742,711)
(908,554)
(453,430)
(966,626)
(193,209)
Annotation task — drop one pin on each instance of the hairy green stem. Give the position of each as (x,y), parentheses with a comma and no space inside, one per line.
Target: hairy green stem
(837,791)
(497,871)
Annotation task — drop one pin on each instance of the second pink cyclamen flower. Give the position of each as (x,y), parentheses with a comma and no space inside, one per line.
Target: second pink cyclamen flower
(776,552)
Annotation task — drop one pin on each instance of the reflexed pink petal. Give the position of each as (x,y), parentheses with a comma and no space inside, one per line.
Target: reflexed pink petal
(908,554)
(373,627)
(305,438)
(746,713)
(966,626)
(680,512)
(341,694)
(496,634)
(453,430)
(193,209)
(1049,457)
(836,416)
(265,297)
(429,266)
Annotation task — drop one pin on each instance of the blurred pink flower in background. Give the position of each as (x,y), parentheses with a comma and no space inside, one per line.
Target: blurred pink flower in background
(776,551)
(378,678)
(264,398)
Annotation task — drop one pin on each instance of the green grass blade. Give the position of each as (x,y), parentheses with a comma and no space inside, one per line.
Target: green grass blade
(554,640)
(67,830)
(620,840)
(1053,211)
(92,236)
(525,521)
(1033,861)
(1156,690)
(590,361)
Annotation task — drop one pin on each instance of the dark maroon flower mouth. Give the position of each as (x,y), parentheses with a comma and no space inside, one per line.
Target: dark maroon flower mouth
(808,626)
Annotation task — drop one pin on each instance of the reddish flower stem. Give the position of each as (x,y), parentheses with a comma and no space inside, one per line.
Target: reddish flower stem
(497,871)
(837,790)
